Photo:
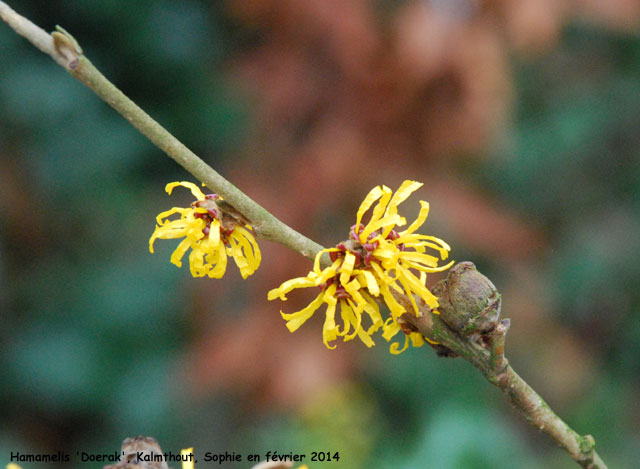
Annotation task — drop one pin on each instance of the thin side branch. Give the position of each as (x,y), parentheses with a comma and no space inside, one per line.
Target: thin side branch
(494,366)
(497,359)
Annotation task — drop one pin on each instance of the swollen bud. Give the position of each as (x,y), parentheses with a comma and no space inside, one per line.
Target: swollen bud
(469,302)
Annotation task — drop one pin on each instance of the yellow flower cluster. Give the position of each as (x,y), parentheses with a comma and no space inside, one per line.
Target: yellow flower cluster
(210,233)
(375,262)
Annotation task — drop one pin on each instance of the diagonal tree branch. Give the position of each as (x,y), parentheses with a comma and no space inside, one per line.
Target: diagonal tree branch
(487,356)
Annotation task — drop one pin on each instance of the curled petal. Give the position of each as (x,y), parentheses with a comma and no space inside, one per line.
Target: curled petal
(254,256)
(385,278)
(218,259)
(404,191)
(195,190)
(389,329)
(424,240)
(160,219)
(196,263)
(328,273)
(395,347)
(176,257)
(170,231)
(425,269)
(295,320)
(355,318)
(414,284)
(286,287)
(373,195)
(432,342)
(245,253)
(377,214)
(396,308)
(419,258)
(350,317)
(330,330)
(415,338)
(235,251)
(316,262)
(372,309)
(408,293)
(422,216)
(176,229)
(208,258)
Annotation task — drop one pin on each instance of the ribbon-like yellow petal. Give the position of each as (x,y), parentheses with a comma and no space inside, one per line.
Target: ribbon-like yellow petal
(372,309)
(349,318)
(253,254)
(396,308)
(377,214)
(389,329)
(286,287)
(417,239)
(420,258)
(422,216)
(417,340)
(373,195)
(395,347)
(217,259)
(330,331)
(195,190)
(403,192)
(235,251)
(160,219)
(388,221)
(179,252)
(297,319)
(214,231)
(346,269)
(370,282)
(415,285)
(408,293)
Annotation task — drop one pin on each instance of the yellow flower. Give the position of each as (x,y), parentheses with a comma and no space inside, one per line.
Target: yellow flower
(210,232)
(340,285)
(375,262)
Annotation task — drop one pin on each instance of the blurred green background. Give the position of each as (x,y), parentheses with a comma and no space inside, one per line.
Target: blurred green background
(522,118)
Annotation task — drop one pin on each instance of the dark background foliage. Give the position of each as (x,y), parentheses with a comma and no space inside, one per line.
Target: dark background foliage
(521,118)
